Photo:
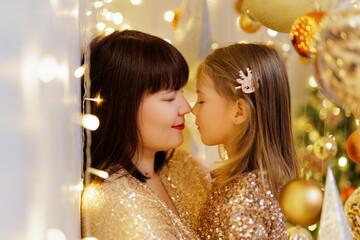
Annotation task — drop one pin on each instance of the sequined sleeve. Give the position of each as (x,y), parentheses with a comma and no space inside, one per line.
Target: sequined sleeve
(126,209)
(242,209)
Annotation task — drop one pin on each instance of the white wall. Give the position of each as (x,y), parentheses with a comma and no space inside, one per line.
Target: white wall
(40,136)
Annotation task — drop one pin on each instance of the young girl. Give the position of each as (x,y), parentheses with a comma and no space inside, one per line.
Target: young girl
(150,193)
(244,104)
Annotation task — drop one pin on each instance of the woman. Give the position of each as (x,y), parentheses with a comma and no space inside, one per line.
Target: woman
(150,193)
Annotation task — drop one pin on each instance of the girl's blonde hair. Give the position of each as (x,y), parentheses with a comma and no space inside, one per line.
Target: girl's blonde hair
(266,141)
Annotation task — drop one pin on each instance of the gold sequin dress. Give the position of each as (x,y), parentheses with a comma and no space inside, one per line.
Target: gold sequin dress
(124,208)
(242,209)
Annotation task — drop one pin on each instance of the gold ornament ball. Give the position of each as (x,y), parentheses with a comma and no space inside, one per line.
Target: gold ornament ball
(352,212)
(298,233)
(302,31)
(238,6)
(301,201)
(325,148)
(279,15)
(334,54)
(248,25)
(353,146)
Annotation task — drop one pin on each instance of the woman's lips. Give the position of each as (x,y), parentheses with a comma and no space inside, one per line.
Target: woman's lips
(179,127)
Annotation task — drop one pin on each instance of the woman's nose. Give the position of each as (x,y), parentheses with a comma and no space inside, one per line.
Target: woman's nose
(184,107)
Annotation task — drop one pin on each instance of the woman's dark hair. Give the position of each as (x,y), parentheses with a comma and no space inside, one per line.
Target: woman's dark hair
(124,66)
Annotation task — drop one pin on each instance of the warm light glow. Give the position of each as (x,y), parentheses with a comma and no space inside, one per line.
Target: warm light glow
(79,72)
(88,13)
(90,122)
(55,234)
(214,46)
(98,172)
(169,16)
(125,27)
(342,162)
(313,136)
(100,26)
(108,1)
(135,2)
(286,47)
(118,18)
(312,82)
(109,31)
(272,33)
(357,122)
(98,4)
(47,69)
(109,16)
(336,111)
(97,99)
(312,227)
(79,187)
(167,40)
(270,42)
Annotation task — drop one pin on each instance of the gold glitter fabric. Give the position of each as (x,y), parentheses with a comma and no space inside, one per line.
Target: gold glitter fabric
(242,209)
(124,208)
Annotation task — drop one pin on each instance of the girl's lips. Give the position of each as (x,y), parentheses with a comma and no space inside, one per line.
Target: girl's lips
(179,127)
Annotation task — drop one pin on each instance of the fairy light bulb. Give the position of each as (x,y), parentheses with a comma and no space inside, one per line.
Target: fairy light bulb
(312,82)
(169,16)
(100,26)
(79,72)
(55,234)
(47,69)
(97,172)
(90,122)
(272,33)
(342,162)
(98,4)
(135,2)
(109,31)
(118,18)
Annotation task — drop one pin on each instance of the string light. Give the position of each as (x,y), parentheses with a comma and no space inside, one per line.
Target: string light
(109,31)
(79,72)
(272,33)
(47,69)
(118,18)
(286,47)
(97,99)
(169,16)
(98,4)
(312,82)
(55,234)
(98,172)
(100,26)
(88,13)
(90,122)
(342,162)
(135,2)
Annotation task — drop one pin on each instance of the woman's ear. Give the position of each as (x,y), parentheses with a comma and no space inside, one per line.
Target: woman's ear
(241,111)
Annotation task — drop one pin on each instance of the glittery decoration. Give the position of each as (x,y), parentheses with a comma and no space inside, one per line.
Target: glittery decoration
(242,209)
(352,212)
(333,224)
(334,54)
(299,233)
(124,208)
(302,31)
(325,148)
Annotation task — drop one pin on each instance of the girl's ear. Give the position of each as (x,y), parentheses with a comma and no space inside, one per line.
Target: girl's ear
(242,111)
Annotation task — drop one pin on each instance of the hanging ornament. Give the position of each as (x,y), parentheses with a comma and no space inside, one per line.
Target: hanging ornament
(248,25)
(298,233)
(302,31)
(279,15)
(352,212)
(334,54)
(325,148)
(301,201)
(346,192)
(353,146)
(175,21)
(238,6)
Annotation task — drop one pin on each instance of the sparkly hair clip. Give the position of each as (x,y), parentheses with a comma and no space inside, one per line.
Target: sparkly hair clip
(245,81)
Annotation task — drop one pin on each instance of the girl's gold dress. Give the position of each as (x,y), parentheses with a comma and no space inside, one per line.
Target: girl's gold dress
(124,208)
(242,209)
